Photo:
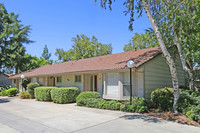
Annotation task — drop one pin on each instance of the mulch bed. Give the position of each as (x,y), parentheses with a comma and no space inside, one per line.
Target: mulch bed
(175,117)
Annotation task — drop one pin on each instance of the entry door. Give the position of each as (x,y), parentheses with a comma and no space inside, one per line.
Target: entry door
(95,83)
(51,81)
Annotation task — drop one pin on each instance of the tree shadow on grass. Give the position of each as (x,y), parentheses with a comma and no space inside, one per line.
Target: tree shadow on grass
(4,100)
(145,118)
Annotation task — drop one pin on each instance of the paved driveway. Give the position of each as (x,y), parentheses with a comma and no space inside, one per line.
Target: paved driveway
(30,116)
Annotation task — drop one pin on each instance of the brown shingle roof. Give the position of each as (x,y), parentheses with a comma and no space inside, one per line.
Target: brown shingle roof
(106,62)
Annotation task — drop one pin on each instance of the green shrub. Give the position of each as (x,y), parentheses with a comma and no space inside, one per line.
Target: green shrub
(12,91)
(80,100)
(91,102)
(31,87)
(163,98)
(194,113)
(112,105)
(139,105)
(3,93)
(64,95)
(24,95)
(186,100)
(102,104)
(43,93)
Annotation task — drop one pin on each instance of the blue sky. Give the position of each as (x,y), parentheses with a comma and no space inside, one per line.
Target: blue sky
(55,22)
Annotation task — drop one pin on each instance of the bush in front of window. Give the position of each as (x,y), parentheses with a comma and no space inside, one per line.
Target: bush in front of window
(43,93)
(64,95)
(31,87)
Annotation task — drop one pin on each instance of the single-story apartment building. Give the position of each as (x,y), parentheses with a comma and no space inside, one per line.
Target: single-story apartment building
(109,74)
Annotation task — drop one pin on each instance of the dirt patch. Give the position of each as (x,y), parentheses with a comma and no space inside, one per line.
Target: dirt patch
(175,117)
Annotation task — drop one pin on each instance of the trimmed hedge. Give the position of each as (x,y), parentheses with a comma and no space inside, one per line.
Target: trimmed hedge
(81,99)
(31,87)
(24,95)
(163,98)
(12,92)
(64,95)
(3,93)
(43,93)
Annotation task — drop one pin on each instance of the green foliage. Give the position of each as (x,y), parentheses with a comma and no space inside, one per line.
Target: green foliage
(139,105)
(194,113)
(43,93)
(46,55)
(93,100)
(80,100)
(32,62)
(84,47)
(31,87)
(25,82)
(3,93)
(102,104)
(111,105)
(13,35)
(141,41)
(24,95)
(64,95)
(12,92)
(163,98)
(186,100)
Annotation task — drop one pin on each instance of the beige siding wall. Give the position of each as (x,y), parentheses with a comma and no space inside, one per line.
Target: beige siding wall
(14,84)
(157,74)
(68,80)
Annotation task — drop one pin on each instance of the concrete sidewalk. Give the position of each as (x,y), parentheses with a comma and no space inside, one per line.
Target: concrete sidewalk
(30,116)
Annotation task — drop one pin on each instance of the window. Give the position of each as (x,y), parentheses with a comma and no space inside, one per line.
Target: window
(14,81)
(37,80)
(77,78)
(59,79)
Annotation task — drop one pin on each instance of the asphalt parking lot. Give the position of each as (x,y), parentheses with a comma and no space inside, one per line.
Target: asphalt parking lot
(30,116)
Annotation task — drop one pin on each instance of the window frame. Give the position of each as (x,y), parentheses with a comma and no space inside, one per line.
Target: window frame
(76,78)
(59,79)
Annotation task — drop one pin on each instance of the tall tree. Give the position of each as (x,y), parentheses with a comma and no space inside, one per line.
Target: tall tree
(141,41)
(155,10)
(46,55)
(84,47)
(178,22)
(12,36)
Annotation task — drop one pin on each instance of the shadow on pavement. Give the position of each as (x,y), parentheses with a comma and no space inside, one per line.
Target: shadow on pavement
(142,117)
(4,100)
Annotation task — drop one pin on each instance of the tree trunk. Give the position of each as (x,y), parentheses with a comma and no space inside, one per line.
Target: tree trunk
(16,70)
(167,55)
(183,62)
